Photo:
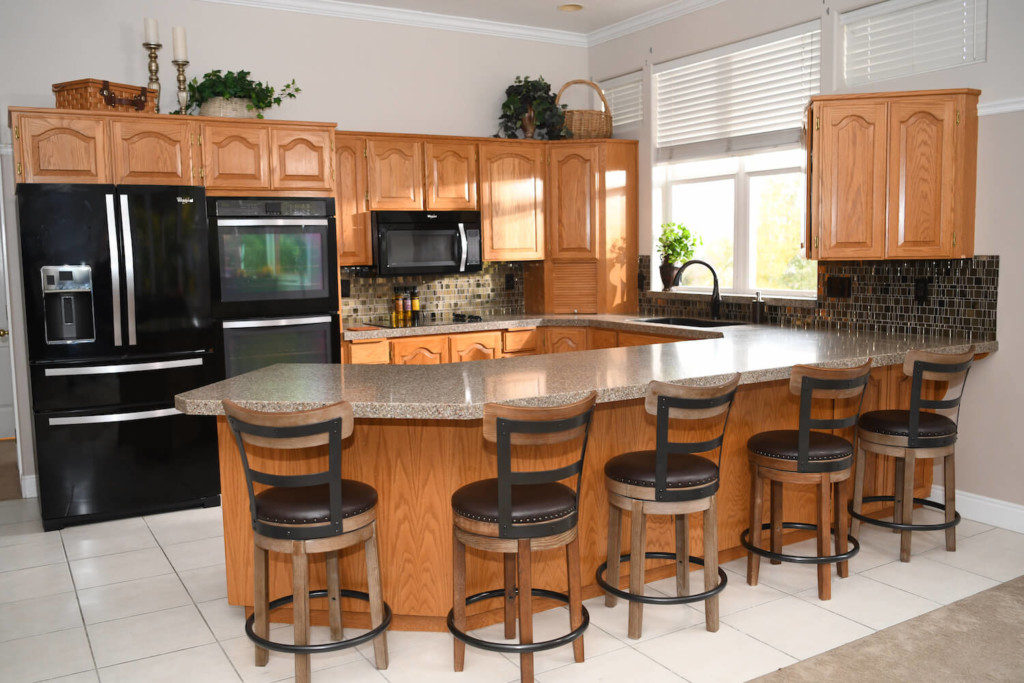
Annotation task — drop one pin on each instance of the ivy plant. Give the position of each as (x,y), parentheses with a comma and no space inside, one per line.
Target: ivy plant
(231,85)
(527,95)
(676,243)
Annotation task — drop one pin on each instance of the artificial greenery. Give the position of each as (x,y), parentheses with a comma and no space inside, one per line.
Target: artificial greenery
(676,243)
(237,85)
(526,95)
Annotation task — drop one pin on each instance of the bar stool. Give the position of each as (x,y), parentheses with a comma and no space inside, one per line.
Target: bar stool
(911,434)
(803,456)
(670,480)
(520,511)
(306,514)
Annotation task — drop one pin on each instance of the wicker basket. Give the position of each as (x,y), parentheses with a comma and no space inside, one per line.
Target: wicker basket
(588,123)
(97,95)
(233,107)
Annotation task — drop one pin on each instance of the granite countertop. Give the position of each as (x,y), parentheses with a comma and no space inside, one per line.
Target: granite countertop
(459,390)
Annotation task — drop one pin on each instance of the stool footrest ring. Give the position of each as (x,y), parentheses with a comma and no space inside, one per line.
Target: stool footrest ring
(904,527)
(800,559)
(660,600)
(319,647)
(518,648)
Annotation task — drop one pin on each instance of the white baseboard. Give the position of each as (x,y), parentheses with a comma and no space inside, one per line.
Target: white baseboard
(985,510)
(29,486)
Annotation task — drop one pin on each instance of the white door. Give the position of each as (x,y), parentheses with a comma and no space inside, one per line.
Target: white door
(6,383)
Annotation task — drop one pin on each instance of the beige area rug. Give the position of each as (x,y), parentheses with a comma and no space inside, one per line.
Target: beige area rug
(980,638)
(10,487)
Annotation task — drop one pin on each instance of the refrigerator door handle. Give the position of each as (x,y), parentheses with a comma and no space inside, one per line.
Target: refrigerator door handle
(126,367)
(129,268)
(113,417)
(115,268)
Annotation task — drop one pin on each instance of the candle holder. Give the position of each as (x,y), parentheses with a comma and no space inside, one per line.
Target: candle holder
(180,64)
(154,67)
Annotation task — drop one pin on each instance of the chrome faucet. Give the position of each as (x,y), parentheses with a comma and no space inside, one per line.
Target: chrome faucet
(716,297)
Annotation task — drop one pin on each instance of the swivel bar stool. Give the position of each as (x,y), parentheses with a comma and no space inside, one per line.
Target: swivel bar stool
(305,514)
(803,456)
(520,511)
(670,480)
(911,434)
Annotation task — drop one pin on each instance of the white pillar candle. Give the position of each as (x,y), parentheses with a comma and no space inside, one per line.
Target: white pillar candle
(180,46)
(152,31)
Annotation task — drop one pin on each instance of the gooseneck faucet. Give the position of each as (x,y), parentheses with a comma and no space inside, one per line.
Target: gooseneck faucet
(716,297)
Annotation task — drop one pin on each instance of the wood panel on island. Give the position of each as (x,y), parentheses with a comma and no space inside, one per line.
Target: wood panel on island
(892,175)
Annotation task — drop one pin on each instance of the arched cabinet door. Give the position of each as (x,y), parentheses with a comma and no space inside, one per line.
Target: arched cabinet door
(300,159)
(54,148)
(236,156)
(420,350)
(395,174)
(154,153)
(512,201)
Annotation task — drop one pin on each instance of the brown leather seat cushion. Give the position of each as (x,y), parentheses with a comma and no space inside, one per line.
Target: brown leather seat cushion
(897,423)
(685,470)
(782,444)
(311,504)
(530,503)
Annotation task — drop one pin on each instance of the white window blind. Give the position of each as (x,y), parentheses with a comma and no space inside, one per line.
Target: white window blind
(905,37)
(625,95)
(743,96)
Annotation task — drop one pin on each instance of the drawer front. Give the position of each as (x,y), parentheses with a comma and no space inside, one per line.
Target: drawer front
(370,352)
(517,341)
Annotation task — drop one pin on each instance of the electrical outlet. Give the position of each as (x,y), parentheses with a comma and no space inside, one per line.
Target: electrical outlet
(346,289)
(510,282)
(921,290)
(839,287)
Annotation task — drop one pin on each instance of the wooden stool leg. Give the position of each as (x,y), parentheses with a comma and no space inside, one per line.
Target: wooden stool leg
(711,563)
(776,519)
(842,521)
(637,543)
(682,555)
(334,595)
(614,551)
(897,503)
(525,608)
(907,504)
(858,489)
(949,483)
(510,595)
(374,588)
(756,504)
(824,518)
(261,621)
(459,598)
(300,609)
(572,570)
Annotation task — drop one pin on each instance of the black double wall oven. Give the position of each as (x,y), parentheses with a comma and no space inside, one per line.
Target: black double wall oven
(274,281)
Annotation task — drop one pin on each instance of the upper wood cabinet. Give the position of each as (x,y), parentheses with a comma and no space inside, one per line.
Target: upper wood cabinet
(512,201)
(154,152)
(251,156)
(60,147)
(395,174)
(573,210)
(301,159)
(451,182)
(893,175)
(352,215)
(236,156)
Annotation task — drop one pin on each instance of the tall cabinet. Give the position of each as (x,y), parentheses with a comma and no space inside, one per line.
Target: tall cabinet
(892,175)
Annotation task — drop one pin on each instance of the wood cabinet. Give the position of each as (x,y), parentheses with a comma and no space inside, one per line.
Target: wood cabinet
(565,339)
(366,351)
(600,338)
(60,148)
(512,200)
(154,152)
(236,157)
(240,155)
(573,210)
(300,159)
(525,341)
(893,175)
(430,350)
(643,339)
(474,346)
(451,176)
(413,174)
(350,205)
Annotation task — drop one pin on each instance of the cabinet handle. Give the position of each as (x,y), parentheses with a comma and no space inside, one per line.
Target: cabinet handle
(19,168)
(815,241)
(958,117)
(954,239)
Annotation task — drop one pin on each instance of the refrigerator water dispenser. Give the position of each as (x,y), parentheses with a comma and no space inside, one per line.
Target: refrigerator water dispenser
(67,304)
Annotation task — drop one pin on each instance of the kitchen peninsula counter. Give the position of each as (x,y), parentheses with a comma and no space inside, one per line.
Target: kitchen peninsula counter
(418,437)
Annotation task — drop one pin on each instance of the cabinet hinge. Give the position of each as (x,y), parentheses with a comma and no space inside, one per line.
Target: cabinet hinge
(332,175)
(365,152)
(202,173)
(815,241)
(817,123)
(954,238)
(17,133)
(19,168)
(958,117)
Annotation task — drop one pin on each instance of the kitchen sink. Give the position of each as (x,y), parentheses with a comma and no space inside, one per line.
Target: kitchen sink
(690,322)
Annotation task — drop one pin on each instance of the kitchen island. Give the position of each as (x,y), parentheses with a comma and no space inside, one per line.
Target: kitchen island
(418,438)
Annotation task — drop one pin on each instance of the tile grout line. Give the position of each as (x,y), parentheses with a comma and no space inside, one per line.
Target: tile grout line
(78,601)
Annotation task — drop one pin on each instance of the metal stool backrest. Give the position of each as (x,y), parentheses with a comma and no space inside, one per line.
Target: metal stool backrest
(811,383)
(678,402)
(328,426)
(938,367)
(508,426)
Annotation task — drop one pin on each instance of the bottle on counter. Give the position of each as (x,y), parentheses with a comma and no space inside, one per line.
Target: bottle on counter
(415,306)
(407,309)
(396,312)
(757,309)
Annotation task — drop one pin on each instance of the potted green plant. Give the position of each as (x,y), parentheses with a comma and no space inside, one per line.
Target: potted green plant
(235,94)
(675,244)
(531,108)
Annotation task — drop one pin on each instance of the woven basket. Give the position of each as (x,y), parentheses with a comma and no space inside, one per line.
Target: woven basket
(588,123)
(97,95)
(234,107)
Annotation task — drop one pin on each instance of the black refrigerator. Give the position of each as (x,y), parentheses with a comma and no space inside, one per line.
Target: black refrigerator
(118,315)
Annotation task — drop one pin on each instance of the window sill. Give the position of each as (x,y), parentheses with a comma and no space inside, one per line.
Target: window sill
(771,300)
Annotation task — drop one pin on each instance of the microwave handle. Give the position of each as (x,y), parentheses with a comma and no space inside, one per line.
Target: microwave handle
(462,252)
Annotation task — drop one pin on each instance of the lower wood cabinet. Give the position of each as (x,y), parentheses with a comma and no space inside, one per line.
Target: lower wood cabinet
(432,350)
(641,339)
(600,338)
(474,346)
(367,351)
(526,341)
(565,339)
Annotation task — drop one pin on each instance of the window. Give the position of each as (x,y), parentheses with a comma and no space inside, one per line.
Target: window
(625,95)
(905,37)
(749,212)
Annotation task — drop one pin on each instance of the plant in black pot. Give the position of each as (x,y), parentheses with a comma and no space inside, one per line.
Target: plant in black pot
(235,94)
(531,108)
(675,244)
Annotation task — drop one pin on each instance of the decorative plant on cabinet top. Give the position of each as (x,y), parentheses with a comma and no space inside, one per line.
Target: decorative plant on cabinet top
(530,107)
(217,88)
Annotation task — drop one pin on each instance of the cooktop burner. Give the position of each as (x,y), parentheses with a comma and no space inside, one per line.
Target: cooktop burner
(466,318)
(431,321)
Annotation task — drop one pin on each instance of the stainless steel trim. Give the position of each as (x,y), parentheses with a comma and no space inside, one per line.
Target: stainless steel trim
(465,247)
(129,267)
(126,367)
(112,417)
(275,322)
(115,268)
(245,222)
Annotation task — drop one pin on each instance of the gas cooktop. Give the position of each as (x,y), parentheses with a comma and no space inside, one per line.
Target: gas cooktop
(432,321)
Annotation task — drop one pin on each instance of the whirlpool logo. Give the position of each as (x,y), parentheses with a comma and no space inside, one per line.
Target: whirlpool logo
(186,200)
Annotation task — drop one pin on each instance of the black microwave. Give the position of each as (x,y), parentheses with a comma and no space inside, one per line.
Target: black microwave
(426,242)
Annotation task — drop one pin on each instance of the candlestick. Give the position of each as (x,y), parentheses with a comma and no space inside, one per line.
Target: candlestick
(180,46)
(182,89)
(152,31)
(154,67)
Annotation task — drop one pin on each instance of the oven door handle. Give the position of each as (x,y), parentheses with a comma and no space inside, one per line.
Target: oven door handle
(256,222)
(463,251)
(276,322)
(113,417)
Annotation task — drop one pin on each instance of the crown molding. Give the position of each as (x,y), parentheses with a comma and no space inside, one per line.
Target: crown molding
(388,15)
(647,20)
(1000,106)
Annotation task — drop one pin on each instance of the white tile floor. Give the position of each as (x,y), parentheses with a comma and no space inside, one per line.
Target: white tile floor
(144,600)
